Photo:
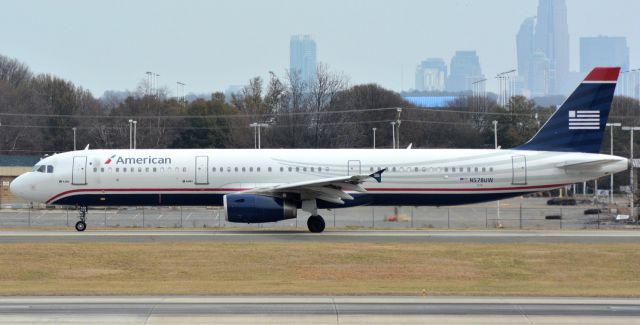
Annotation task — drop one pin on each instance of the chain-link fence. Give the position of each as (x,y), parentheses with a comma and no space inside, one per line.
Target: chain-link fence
(510,216)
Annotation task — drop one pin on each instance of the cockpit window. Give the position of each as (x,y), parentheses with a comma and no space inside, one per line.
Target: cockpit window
(43,169)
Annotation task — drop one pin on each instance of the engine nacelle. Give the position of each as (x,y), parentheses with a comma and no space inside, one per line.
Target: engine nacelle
(252,208)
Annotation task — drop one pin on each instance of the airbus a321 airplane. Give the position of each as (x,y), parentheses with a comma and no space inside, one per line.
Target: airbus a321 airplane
(269,185)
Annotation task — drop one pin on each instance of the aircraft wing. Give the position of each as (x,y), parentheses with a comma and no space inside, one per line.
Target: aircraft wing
(326,189)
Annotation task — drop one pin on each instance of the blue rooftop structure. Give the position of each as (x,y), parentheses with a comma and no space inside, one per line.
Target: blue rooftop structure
(430,101)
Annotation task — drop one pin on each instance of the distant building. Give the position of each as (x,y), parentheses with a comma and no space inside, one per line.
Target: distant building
(603,51)
(551,38)
(465,69)
(524,48)
(539,74)
(431,75)
(302,57)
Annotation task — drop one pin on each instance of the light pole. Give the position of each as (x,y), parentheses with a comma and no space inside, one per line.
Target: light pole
(374,138)
(631,178)
(135,133)
(256,138)
(74,138)
(611,126)
(399,110)
(495,144)
(130,134)
(495,134)
(393,133)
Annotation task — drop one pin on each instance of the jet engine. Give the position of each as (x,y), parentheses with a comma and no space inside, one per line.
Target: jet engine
(253,208)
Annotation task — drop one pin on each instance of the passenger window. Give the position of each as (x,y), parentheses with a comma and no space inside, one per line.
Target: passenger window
(290,169)
(184,169)
(102,169)
(490,169)
(213,169)
(146,169)
(117,169)
(154,169)
(124,169)
(281,169)
(139,169)
(258,169)
(446,169)
(304,169)
(251,169)
(319,169)
(297,169)
(468,169)
(393,169)
(95,169)
(476,169)
(453,169)
(243,169)
(236,169)
(424,169)
(221,169)
(269,169)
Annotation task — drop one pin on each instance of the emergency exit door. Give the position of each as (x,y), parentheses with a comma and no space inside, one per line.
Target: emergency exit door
(353,167)
(519,170)
(79,171)
(202,170)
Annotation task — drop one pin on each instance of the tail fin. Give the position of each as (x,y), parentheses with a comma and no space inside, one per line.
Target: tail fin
(578,125)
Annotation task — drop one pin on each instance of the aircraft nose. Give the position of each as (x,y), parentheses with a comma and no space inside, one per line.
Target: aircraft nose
(17,186)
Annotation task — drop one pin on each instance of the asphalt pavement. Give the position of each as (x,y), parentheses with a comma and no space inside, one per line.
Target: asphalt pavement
(317,310)
(378,236)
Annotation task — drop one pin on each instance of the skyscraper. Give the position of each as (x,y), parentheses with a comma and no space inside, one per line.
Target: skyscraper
(552,39)
(465,69)
(524,48)
(431,75)
(302,57)
(603,51)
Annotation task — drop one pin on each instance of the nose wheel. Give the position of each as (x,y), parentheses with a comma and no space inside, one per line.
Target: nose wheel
(82,224)
(315,224)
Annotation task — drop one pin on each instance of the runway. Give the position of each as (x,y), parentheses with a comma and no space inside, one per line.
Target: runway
(317,310)
(377,236)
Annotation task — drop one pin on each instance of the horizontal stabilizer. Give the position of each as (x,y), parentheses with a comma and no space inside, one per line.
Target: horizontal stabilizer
(587,165)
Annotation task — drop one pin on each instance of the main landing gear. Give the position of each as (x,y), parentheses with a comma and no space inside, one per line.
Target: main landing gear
(315,223)
(82,225)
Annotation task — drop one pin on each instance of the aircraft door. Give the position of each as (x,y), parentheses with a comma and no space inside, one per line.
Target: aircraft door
(202,170)
(353,167)
(79,171)
(519,170)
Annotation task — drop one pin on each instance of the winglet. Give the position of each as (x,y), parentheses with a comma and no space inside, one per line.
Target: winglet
(378,175)
(87,147)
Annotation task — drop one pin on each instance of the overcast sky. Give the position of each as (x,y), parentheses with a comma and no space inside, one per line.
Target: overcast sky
(210,45)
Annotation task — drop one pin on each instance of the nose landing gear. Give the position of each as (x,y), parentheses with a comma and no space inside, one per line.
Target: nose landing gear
(82,225)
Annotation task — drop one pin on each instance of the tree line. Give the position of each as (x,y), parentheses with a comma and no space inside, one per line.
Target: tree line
(38,112)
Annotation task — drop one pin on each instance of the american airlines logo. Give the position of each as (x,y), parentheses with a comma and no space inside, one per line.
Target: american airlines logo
(138,160)
(584,120)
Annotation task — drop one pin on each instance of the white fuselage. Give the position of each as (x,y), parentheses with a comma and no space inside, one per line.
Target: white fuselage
(204,176)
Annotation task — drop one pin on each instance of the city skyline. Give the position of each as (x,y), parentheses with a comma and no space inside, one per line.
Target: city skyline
(227,43)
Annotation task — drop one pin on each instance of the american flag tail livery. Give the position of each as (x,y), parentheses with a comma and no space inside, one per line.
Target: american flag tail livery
(579,123)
